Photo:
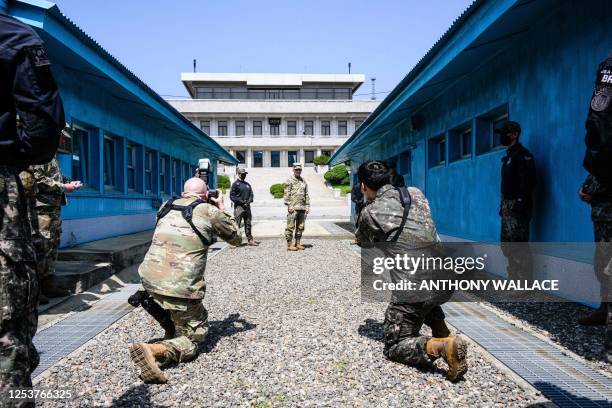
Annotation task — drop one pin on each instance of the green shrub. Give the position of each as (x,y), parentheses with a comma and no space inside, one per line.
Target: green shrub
(223,182)
(337,175)
(277,190)
(321,160)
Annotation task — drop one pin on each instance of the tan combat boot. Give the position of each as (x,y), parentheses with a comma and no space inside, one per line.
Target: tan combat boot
(453,350)
(252,242)
(439,329)
(145,356)
(290,246)
(298,245)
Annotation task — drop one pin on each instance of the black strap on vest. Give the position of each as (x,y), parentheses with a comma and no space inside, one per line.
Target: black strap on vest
(186,212)
(406,201)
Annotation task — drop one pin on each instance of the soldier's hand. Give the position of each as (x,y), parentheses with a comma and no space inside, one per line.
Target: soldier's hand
(290,209)
(218,201)
(584,197)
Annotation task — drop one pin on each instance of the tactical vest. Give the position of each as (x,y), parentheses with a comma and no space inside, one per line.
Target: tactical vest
(598,138)
(186,212)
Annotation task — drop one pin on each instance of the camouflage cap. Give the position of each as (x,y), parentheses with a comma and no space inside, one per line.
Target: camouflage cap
(297,166)
(508,127)
(242,171)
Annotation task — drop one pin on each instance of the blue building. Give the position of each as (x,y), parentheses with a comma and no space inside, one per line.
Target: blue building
(130,148)
(533,62)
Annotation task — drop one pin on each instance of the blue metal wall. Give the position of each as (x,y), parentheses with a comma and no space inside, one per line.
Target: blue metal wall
(545,78)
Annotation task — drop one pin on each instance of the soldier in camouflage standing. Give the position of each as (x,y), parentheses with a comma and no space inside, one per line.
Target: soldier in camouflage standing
(173,273)
(518,178)
(383,220)
(46,189)
(597,191)
(27,90)
(298,204)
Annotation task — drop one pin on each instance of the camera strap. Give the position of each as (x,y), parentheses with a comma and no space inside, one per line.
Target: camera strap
(406,201)
(186,212)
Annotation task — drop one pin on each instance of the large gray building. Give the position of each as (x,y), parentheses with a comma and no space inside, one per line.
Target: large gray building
(274,120)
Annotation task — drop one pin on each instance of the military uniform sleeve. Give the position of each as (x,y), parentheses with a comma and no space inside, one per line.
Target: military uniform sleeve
(225,227)
(287,193)
(45,182)
(251,195)
(527,176)
(367,229)
(39,106)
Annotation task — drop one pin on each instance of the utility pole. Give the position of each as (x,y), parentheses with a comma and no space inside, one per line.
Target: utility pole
(373,88)
(349,64)
(194,65)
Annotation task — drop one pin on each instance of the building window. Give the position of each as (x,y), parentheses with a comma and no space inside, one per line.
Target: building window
(241,156)
(257,158)
(325,93)
(110,162)
(176,181)
(291,127)
(327,153)
(204,93)
(325,128)
(222,128)
(460,143)
(274,130)
(342,128)
(358,122)
(292,157)
(80,155)
(240,128)
(466,143)
(486,138)
(309,156)
(186,174)
(163,175)
(131,166)
(275,158)
(437,151)
(308,127)
(205,126)
(149,157)
(257,128)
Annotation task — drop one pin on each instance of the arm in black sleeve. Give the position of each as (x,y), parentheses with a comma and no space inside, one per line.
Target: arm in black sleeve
(251,195)
(527,177)
(235,194)
(39,106)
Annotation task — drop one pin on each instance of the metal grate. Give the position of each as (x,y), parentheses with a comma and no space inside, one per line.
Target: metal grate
(564,380)
(64,337)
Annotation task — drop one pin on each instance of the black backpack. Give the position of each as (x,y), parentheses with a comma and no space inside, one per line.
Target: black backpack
(186,212)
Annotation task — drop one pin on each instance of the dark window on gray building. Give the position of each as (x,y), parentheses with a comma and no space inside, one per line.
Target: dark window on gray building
(257,128)
(291,157)
(342,128)
(291,127)
(275,158)
(325,128)
(325,93)
(241,156)
(308,93)
(309,156)
(222,128)
(204,93)
(240,128)
(358,123)
(257,158)
(327,153)
(205,126)
(308,127)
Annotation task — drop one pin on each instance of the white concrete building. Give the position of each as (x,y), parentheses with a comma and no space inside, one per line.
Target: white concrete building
(274,120)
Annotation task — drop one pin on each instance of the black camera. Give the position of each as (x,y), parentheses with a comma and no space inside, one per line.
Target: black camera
(212,193)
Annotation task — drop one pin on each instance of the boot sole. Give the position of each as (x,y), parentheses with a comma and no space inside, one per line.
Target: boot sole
(457,358)
(144,360)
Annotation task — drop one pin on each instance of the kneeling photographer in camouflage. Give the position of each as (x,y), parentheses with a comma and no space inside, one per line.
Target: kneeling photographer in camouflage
(399,217)
(172,273)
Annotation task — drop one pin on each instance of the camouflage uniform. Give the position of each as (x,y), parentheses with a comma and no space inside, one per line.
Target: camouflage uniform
(403,319)
(296,196)
(18,286)
(173,272)
(44,185)
(601,215)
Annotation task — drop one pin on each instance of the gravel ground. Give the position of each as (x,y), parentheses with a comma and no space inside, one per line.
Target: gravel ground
(557,321)
(286,329)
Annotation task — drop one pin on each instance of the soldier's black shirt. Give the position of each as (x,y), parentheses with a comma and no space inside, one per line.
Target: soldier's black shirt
(241,193)
(27,89)
(518,174)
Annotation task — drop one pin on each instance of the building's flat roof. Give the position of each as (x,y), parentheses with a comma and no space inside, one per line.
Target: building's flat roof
(270,79)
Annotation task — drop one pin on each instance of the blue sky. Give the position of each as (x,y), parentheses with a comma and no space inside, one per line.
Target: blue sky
(158,39)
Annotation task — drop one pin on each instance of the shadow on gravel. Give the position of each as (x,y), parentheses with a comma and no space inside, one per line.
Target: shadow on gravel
(134,397)
(372,329)
(227,327)
(559,320)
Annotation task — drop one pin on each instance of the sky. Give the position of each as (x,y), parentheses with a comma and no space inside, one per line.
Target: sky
(158,39)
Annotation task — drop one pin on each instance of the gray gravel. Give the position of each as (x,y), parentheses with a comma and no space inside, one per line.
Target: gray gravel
(286,329)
